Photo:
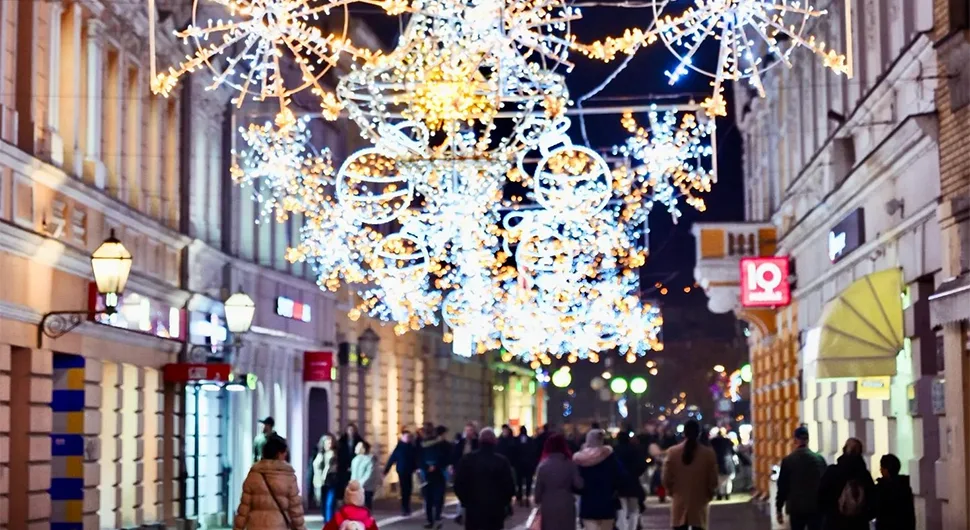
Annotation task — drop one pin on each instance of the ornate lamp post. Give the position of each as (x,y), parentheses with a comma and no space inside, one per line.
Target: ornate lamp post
(111,265)
(240,310)
(367,345)
(638,386)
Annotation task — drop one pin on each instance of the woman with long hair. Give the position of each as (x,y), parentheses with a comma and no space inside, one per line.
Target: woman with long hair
(690,479)
(326,475)
(557,483)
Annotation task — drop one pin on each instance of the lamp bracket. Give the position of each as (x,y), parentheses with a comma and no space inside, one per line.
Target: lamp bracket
(56,324)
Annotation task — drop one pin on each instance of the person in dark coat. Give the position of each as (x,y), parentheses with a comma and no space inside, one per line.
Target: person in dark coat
(893,507)
(405,460)
(846,492)
(508,446)
(435,459)
(484,485)
(726,466)
(798,484)
(525,466)
(465,444)
(346,451)
(630,492)
(602,475)
(557,483)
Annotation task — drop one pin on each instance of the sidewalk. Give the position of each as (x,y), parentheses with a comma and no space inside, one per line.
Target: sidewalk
(386,512)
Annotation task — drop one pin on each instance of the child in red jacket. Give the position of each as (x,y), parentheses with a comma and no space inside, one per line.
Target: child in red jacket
(353,515)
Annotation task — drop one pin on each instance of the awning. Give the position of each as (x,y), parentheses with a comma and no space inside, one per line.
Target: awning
(951,301)
(860,332)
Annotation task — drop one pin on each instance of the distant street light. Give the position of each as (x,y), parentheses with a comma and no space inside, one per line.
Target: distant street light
(719,368)
(618,385)
(638,385)
(746,373)
(562,378)
(606,376)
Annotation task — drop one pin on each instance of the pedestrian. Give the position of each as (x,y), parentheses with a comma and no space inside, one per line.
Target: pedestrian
(557,484)
(405,460)
(526,464)
(465,444)
(271,497)
(354,514)
(726,465)
(690,478)
(435,457)
(846,490)
(484,484)
(326,477)
(362,470)
(346,451)
(509,448)
(798,484)
(894,509)
(630,492)
(602,474)
(269,428)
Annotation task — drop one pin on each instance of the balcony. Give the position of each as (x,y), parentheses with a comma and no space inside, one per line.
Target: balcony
(720,247)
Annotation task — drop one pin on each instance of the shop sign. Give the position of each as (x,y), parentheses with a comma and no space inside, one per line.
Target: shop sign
(847,236)
(873,388)
(764,282)
(318,366)
(140,314)
(287,308)
(192,373)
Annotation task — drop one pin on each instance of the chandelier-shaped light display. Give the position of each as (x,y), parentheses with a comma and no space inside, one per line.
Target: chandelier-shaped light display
(752,36)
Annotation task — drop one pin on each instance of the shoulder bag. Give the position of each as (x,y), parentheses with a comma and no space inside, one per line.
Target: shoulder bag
(286,518)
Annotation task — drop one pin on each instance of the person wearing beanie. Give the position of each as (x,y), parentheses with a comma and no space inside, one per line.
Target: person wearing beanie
(353,514)
(602,473)
(484,484)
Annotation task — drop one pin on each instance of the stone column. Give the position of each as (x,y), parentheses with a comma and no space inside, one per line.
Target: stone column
(55,143)
(69,99)
(95,171)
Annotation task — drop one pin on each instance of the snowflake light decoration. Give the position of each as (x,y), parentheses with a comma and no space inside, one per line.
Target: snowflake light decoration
(753,35)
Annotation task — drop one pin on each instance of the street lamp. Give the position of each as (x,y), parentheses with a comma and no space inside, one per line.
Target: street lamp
(638,386)
(111,265)
(240,310)
(719,368)
(618,385)
(561,378)
(367,344)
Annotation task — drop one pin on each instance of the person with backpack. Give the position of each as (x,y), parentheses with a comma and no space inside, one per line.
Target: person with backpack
(846,491)
(894,509)
(271,496)
(353,515)
(798,485)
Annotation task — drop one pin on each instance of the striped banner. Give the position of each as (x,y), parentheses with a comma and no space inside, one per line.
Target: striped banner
(67,444)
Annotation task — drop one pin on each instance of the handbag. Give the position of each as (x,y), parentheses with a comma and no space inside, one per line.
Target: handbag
(286,518)
(535,520)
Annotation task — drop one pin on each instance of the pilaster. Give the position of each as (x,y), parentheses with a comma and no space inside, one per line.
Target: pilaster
(68,95)
(95,171)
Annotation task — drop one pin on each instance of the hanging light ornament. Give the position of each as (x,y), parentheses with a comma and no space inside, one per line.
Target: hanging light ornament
(752,35)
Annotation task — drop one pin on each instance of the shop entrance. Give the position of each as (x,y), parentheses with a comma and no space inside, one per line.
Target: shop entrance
(318,424)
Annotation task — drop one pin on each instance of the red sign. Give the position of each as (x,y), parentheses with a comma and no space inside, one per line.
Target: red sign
(318,366)
(192,373)
(764,282)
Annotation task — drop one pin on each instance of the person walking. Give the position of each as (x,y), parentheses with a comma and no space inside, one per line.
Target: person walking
(404,459)
(557,484)
(326,478)
(798,484)
(353,515)
(690,478)
(271,496)
(726,465)
(362,470)
(346,451)
(525,466)
(630,492)
(484,484)
(268,429)
(602,476)
(435,457)
(465,444)
(894,508)
(846,491)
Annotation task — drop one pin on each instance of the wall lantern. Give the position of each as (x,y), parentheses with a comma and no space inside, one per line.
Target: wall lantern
(367,345)
(240,310)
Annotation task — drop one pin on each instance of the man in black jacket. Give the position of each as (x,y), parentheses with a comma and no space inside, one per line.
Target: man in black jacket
(405,459)
(798,485)
(484,485)
(435,459)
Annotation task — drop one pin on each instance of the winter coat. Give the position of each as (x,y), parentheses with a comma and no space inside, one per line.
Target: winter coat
(798,482)
(836,477)
(634,464)
(894,508)
(691,486)
(485,487)
(557,483)
(324,471)
(724,449)
(404,458)
(509,448)
(459,450)
(602,476)
(346,451)
(258,510)
(350,512)
(435,458)
(362,470)
(529,450)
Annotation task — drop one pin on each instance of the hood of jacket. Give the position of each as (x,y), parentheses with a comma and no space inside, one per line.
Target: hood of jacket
(852,464)
(431,443)
(273,467)
(591,456)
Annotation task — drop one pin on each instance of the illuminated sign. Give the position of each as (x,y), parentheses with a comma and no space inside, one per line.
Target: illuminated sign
(847,236)
(318,366)
(194,373)
(141,314)
(764,282)
(287,308)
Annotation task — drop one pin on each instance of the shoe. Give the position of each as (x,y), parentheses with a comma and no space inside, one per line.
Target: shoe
(428,525)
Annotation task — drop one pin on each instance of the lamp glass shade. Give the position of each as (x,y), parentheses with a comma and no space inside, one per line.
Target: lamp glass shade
(618,385)
(240,310)
(367,342)
(746,373)
(561,378)
(638,385)
(111,264)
